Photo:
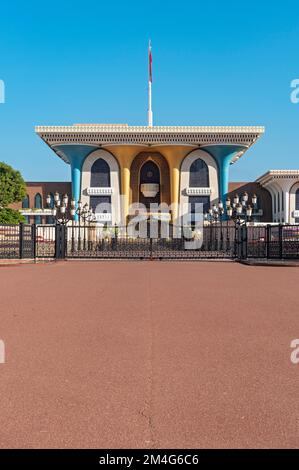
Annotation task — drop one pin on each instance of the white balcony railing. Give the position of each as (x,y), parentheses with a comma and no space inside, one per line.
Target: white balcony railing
(198,191)
(99,191)
(103,217)
(36,212)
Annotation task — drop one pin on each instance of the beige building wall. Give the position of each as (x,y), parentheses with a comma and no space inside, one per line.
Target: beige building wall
(174,156)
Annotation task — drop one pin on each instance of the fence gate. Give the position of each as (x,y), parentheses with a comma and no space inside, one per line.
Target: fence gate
(10,241)
(283,241)
(256,242)
(27,241)
(215,241)
(45,240)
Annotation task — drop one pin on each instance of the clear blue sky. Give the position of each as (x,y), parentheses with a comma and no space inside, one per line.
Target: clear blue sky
(214,63)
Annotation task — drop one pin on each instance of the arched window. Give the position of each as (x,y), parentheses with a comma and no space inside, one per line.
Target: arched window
(150,173)
(26,202)
(51,205)
(38,201)
(199,174)
(100,174)
(26,205)
(193,201)
(278,202)
(38,205)
(50,219)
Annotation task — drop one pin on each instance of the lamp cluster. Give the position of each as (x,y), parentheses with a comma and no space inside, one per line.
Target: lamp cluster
(85,213)
(62,209)
(238,209)
(65,210)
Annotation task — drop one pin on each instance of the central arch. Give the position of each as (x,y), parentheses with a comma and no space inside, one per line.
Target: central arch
(149,175)
(141,170)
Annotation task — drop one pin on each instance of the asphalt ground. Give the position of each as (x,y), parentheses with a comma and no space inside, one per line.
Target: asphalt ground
(148,355)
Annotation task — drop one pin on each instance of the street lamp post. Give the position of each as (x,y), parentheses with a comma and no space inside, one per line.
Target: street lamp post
(239,211)
(86,214)
(215,215)
(65,211)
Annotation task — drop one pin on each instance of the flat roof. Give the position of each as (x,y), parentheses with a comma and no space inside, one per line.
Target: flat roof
(275,174)
(125,128)
(105,135)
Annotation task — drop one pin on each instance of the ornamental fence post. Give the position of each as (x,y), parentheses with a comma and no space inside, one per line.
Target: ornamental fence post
(268,240)
(60,241)
(21,235)
(151,248)
(241,236)
(244,241)
(33,236)
(280,233)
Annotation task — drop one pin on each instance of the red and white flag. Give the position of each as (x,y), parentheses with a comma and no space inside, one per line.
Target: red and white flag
(150,62)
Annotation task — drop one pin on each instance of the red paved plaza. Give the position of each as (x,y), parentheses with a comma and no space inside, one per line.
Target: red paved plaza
(149,354)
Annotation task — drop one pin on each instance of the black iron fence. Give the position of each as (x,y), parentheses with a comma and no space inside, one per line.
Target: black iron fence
(271,241)
(10,241)
(217,241)
(90,241)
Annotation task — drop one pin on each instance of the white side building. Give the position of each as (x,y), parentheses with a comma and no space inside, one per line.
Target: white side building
(283,185)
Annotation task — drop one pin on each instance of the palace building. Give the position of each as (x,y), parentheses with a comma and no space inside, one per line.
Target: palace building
(117,168)
(121,165)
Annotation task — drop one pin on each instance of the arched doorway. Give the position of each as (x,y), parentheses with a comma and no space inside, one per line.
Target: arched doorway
(149,184)
(150,168)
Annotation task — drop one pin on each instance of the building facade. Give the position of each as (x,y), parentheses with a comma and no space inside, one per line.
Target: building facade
(119,167)
(283,185)
(34,207)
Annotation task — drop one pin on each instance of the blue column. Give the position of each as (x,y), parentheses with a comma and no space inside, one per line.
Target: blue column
(76,165)
(75,155)
(223,154)
(223,162)
(223,165)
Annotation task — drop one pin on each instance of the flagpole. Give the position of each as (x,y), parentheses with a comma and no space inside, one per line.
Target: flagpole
(150,112)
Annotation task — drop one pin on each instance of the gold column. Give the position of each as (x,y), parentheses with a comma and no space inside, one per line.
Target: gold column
(174,157)
(175,186)
(125,172)
(124,156)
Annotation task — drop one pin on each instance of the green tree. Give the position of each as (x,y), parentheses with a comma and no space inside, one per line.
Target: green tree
(10,216)
(12,189)
(12,185)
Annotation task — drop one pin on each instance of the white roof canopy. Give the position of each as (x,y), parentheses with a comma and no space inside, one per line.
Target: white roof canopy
(114,134)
